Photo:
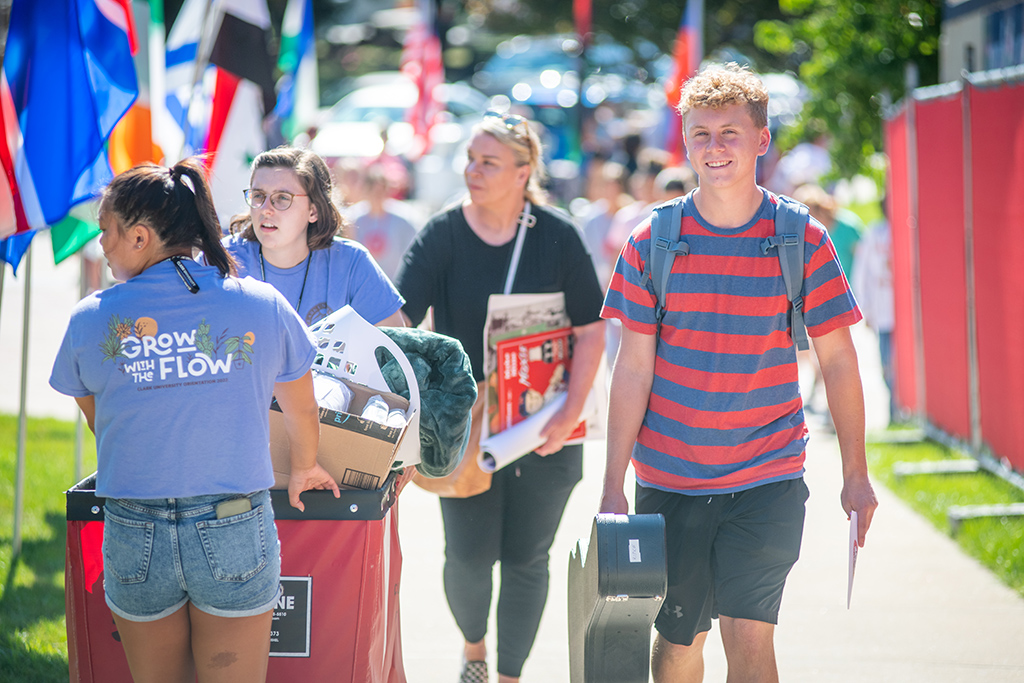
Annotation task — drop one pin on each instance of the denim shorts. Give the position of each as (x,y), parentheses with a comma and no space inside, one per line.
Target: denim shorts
(160,554)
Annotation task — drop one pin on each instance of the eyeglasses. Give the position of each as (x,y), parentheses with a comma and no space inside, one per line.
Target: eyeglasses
(511,121)
(279,200)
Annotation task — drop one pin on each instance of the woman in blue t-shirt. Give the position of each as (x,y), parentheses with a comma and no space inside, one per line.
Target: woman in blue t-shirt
(174,370)
(290,239)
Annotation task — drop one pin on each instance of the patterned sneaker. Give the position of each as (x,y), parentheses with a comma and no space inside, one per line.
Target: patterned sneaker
(473,672)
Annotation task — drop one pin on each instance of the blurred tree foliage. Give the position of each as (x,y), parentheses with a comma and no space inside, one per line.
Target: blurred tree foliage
(851,54)
(853,58)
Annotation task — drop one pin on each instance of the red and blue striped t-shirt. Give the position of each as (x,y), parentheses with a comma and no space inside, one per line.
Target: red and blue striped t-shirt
(725,412)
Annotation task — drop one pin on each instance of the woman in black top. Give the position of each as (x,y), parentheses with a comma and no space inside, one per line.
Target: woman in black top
(458,260)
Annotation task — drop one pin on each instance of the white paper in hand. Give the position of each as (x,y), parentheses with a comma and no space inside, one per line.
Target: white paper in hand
(853,557)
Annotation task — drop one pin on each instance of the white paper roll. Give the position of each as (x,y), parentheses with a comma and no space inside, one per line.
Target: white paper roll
(508,446)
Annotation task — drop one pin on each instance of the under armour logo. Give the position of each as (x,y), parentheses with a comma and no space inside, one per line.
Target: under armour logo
(676,611)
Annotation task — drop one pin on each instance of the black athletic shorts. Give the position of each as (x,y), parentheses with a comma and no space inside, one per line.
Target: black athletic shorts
(728,554)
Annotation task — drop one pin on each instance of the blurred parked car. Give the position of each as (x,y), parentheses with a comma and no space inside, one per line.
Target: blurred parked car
(539,77)
(523,59)
(352,129)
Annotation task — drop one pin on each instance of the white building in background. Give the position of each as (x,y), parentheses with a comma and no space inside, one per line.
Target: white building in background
(979,35)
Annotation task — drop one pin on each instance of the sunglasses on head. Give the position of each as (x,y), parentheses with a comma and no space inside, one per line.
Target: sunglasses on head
(279,200)
(511,121)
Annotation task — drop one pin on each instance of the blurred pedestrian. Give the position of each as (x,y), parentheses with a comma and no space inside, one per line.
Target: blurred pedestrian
(457,261)
(382,224)
(347,179)
(844,231)
(672,182)
(641,187)
(806,164)
(608,186)
(396,168)
(844,227)
(872,283)
(191,560)
(704,397)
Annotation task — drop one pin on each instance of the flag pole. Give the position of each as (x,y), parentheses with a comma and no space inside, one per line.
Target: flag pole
(203,51)
(79,431)
(3,276)
(19,478)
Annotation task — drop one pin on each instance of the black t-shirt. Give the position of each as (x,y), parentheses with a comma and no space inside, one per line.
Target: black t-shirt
(450,268)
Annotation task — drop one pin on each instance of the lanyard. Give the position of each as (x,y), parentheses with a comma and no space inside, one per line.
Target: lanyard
(263,276)
(186,277)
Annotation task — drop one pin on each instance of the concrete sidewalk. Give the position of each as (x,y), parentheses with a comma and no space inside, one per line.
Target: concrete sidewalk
(922,611)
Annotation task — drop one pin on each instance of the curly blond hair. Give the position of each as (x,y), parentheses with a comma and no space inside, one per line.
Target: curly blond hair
(722,86)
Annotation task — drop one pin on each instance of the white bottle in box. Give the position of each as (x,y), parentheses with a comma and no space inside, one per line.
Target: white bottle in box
(376,409)
(396,418)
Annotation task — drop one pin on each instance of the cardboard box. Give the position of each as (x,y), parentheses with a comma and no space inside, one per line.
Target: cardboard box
(358,453)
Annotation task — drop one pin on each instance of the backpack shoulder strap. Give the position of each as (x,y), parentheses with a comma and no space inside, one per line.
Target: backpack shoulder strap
(666,224)
(790,223)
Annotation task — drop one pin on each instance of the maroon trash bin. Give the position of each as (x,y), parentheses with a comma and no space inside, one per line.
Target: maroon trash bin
(337,619)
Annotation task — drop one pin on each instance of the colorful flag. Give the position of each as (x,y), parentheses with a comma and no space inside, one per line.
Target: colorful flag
(70,234)
(688,50)
(243,95)
(67,79)
(686,55)
(183,129)
(132,142)
(422,64)
(298,93)
(220,86)
(583,14)
(14,247)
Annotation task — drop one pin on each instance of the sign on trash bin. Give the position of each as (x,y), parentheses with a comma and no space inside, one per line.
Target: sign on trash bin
(289,633)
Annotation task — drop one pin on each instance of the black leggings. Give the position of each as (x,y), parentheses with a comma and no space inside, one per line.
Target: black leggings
(513,523)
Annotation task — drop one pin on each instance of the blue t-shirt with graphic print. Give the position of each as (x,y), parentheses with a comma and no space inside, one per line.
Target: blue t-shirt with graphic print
(182,381)
(342,274)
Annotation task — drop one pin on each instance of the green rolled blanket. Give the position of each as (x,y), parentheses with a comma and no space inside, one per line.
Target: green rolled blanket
(447,393)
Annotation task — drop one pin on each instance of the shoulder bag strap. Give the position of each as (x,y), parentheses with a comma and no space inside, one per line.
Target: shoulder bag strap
(526,220)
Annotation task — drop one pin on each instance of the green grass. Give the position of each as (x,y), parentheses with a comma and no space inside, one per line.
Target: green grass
(996,542)
(33,640)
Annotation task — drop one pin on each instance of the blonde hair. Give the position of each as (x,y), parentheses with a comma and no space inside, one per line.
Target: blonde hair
(717,86)
(523,141)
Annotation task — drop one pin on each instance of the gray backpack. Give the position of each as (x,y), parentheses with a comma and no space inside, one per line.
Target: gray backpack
(788,241)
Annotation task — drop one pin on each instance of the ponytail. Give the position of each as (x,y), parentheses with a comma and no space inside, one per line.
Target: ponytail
(176,203)
(189,174)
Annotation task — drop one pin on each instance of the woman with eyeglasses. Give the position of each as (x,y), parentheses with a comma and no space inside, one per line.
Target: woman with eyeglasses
(191,560)
(290,238)
(461,257)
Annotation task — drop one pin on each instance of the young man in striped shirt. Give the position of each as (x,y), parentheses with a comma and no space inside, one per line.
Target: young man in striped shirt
(707,403)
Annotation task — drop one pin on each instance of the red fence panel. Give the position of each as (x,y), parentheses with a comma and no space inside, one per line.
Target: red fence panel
(997,164)
(940,210)
(899,218)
